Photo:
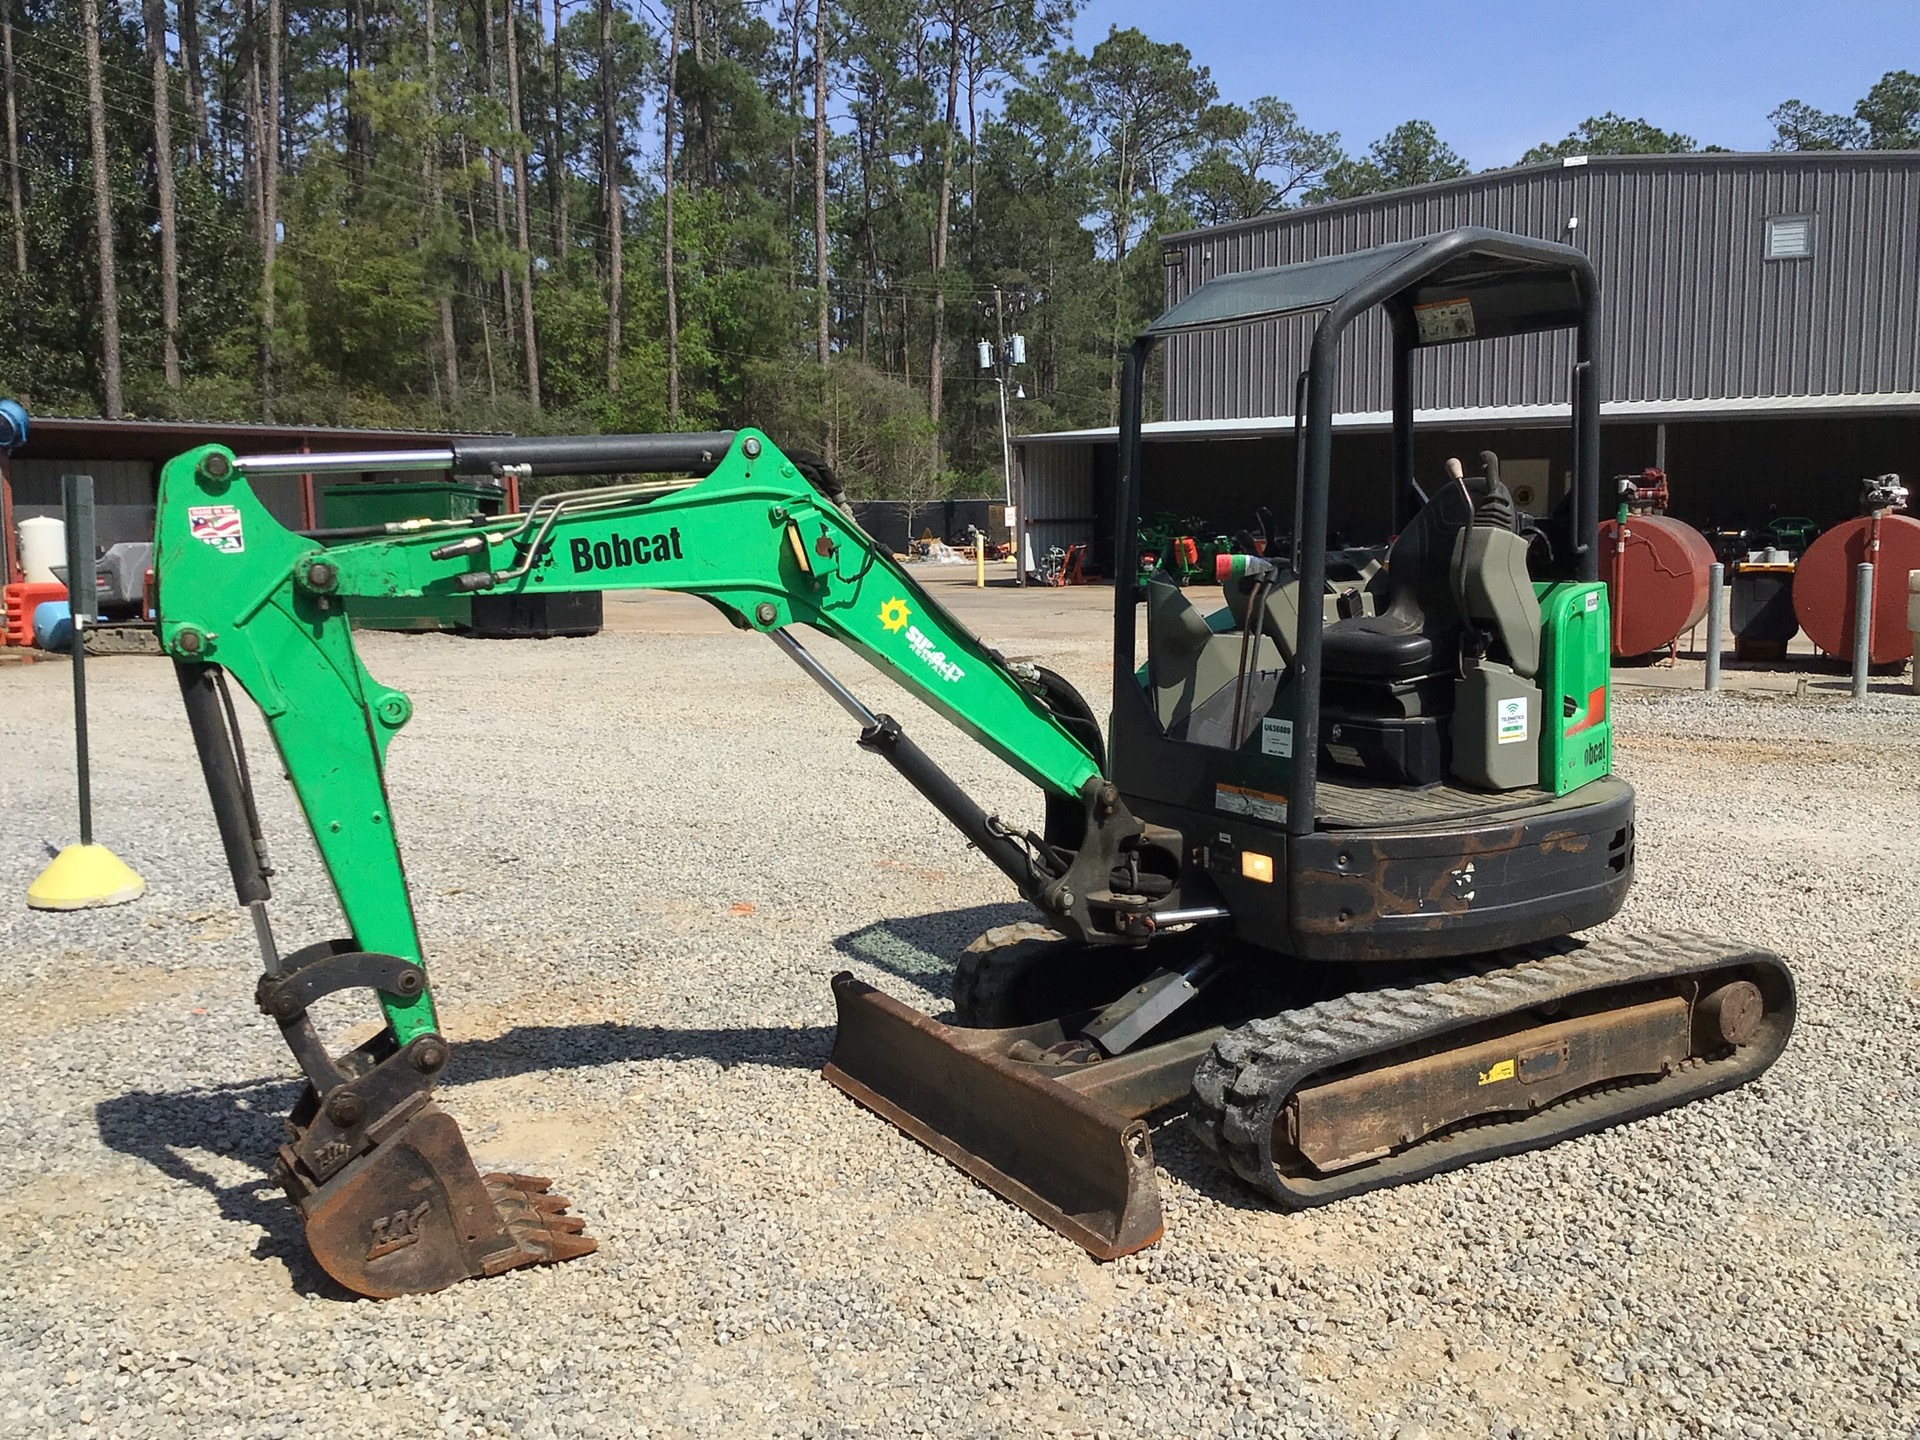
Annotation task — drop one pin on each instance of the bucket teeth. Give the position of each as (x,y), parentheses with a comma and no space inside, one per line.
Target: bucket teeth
(414,1214)
(538,1219)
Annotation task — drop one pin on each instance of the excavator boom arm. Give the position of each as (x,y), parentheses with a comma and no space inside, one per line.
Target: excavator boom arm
(755,537)
(392,1200)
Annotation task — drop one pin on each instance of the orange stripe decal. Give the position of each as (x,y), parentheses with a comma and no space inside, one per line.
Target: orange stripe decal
(1596,710)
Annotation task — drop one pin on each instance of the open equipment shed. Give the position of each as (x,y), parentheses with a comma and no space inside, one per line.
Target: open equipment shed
(1761,316)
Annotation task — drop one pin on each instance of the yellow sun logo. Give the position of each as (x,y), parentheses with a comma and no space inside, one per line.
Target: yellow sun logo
(894,614)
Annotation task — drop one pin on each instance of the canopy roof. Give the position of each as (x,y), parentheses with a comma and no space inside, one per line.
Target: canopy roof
(1464,284)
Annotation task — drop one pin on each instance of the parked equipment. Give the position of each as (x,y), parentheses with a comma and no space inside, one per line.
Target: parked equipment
(1238,900)
(1064,567)
(537,617)
(1763,618)
(123,602)
(1167,547)
(1656,568)
(1823,583)
(1791,533)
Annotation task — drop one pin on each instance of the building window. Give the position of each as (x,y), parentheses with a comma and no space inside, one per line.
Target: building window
(1789,237)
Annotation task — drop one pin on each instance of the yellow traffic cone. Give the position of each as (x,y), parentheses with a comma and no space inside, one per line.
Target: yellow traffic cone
(82,877)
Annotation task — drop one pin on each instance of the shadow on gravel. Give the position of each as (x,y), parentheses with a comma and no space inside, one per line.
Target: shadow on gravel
(527,1049)
(244,1119)
(922,949)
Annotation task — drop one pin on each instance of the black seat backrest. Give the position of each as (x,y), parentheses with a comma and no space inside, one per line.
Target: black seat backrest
(1420,593)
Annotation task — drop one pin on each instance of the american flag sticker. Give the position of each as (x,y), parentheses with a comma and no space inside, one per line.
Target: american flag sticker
(218,526)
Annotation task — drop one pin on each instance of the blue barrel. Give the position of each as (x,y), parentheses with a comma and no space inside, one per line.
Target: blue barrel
(53,625)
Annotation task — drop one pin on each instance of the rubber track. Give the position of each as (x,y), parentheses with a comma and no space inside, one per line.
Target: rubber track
(991,969)
(1240,1086)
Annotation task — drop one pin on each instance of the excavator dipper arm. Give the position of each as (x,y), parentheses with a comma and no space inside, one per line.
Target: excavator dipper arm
(392,1201)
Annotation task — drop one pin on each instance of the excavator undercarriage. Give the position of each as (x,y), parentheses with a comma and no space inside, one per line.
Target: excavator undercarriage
(1326,1099)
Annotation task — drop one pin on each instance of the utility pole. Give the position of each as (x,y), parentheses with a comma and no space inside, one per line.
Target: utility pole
(1001,357)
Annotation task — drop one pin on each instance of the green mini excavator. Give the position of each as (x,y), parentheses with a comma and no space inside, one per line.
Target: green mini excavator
(1317,880)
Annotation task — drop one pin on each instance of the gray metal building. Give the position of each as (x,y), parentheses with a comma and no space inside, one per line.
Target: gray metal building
(1763,346)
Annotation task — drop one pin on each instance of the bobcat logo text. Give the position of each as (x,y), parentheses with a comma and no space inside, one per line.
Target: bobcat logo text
(622,550)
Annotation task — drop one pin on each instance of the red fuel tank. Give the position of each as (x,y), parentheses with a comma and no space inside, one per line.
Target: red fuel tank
(1823,586)
(1657,574)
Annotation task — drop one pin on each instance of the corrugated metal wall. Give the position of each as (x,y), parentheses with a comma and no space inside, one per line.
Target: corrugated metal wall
(1693,309)
(1060,495)
(122,494)
(124,491)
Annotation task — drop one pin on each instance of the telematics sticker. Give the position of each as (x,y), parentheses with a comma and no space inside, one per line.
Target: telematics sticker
(1513,721)
(218,526)
(1276,738)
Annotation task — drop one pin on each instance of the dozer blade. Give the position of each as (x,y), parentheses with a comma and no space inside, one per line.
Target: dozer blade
(1065,1159)
(414,1214)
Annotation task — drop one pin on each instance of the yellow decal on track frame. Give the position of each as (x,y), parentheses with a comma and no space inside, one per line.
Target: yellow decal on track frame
(1503,1070)
(895,614)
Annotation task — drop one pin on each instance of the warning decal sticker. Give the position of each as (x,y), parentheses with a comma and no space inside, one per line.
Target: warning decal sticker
(218,526)
(1443,321)
(1238,800)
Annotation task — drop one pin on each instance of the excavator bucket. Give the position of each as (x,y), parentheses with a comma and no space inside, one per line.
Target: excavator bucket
(414,1214)
(1067,1160)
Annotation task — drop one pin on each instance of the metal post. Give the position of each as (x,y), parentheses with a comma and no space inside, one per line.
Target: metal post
(309,512)
(1862,626)
(1716,620)
(1913,622)
(1006,437)
(76,492)
(84,875)
(1006,464)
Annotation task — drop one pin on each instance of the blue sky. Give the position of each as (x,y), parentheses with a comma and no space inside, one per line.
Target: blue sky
(1496,76)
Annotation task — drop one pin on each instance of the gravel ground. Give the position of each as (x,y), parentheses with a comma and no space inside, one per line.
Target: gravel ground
(638,859)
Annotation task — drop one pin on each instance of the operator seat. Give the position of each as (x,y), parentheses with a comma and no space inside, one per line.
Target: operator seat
(1459,562)
(1281,616)
(1457,588)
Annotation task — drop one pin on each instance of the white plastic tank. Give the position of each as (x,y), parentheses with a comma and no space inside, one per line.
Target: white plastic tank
(43,545)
